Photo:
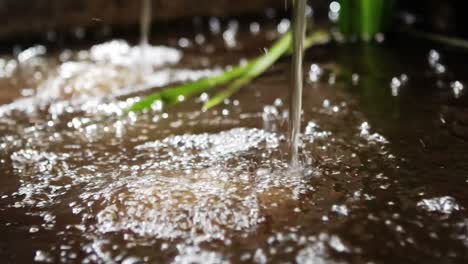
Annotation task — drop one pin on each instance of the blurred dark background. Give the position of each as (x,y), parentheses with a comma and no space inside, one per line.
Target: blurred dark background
(47,20)
(447,17)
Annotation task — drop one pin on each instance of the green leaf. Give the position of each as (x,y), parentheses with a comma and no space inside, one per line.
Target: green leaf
(239,76)
(450,41)
(258,67)
(278,50)
(364,18)
(171,95)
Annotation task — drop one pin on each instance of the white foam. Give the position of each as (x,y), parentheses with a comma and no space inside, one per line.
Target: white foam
(444,204)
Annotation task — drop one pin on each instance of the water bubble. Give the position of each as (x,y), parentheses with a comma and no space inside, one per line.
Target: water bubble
(334,11)
(200,39)
(204,97)
(434,62)
(42,256)
(30,53)
(184,43)
(309,11)
(271,115)
(283,26)
(215,25)
(335,6)
(439,68)
(364,128)
(336,243)
(317,250)
(340,209)
(444,204)
(33,229)
(278,102)
(379,37)
(229,37)
(254,28)
(332,79)
(395,85)
(433,57)
(457,88)
(7,68)
(355,78)
(131,260)
(404,78)
(314,73)
(118,52)
(260,257)
(364,131)
(157,106)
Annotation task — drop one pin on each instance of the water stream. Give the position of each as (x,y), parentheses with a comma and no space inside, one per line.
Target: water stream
(297,82)
(145,28)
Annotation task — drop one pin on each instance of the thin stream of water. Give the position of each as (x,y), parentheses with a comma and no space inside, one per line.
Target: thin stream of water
(297,80)
(145,28)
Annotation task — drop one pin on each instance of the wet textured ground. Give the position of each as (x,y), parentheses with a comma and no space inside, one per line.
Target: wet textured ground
(384,152)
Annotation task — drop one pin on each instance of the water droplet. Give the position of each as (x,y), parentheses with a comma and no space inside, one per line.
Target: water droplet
(433,57)
(42,256)
(340,209)
(284,26)
(33,229)
(254,28)
(444,204)
(395,84)
(457,88)
(355,78)
(314,73)
(215,25)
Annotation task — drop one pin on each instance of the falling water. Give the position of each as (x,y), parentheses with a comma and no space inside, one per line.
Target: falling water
(296,88)
(145,28)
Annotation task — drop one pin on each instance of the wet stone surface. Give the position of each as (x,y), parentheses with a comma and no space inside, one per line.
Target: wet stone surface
(383,177)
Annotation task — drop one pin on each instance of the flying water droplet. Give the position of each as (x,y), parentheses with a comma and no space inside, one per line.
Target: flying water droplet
(395,84)
(315,73)
(457,88)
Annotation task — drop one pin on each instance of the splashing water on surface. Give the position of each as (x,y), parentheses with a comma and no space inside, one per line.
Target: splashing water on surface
(129,184)
(126,184)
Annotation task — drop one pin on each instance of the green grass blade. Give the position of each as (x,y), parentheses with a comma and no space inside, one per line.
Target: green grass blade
(254,68)
(450,41)
(261,65)
(365,18)
(345,22)
(315,38)
(244,73)
(318,37)
(226,93)
(171,95)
